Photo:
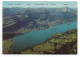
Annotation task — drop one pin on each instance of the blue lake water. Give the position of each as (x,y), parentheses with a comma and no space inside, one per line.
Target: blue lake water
(35,37)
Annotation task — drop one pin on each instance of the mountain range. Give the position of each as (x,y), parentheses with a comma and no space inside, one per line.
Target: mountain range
(21,20)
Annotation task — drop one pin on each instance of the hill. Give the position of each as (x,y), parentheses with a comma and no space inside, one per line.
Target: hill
(61,43)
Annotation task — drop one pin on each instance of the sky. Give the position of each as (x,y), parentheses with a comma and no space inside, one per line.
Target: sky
(25,4)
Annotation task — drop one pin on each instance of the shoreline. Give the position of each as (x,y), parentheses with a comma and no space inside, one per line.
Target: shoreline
(19,52)
(10,46)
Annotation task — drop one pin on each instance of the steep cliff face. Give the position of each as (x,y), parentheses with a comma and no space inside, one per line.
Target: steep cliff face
(61,43)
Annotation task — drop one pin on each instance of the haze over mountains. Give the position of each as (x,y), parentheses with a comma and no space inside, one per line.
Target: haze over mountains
(22,20)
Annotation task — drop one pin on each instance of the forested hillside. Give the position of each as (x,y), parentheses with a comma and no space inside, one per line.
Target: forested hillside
(61,43)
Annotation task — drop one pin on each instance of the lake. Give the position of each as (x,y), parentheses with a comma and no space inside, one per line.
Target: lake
(36,37)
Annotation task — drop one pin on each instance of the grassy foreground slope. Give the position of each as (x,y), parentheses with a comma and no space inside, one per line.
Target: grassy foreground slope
(61,43)
(6,46)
